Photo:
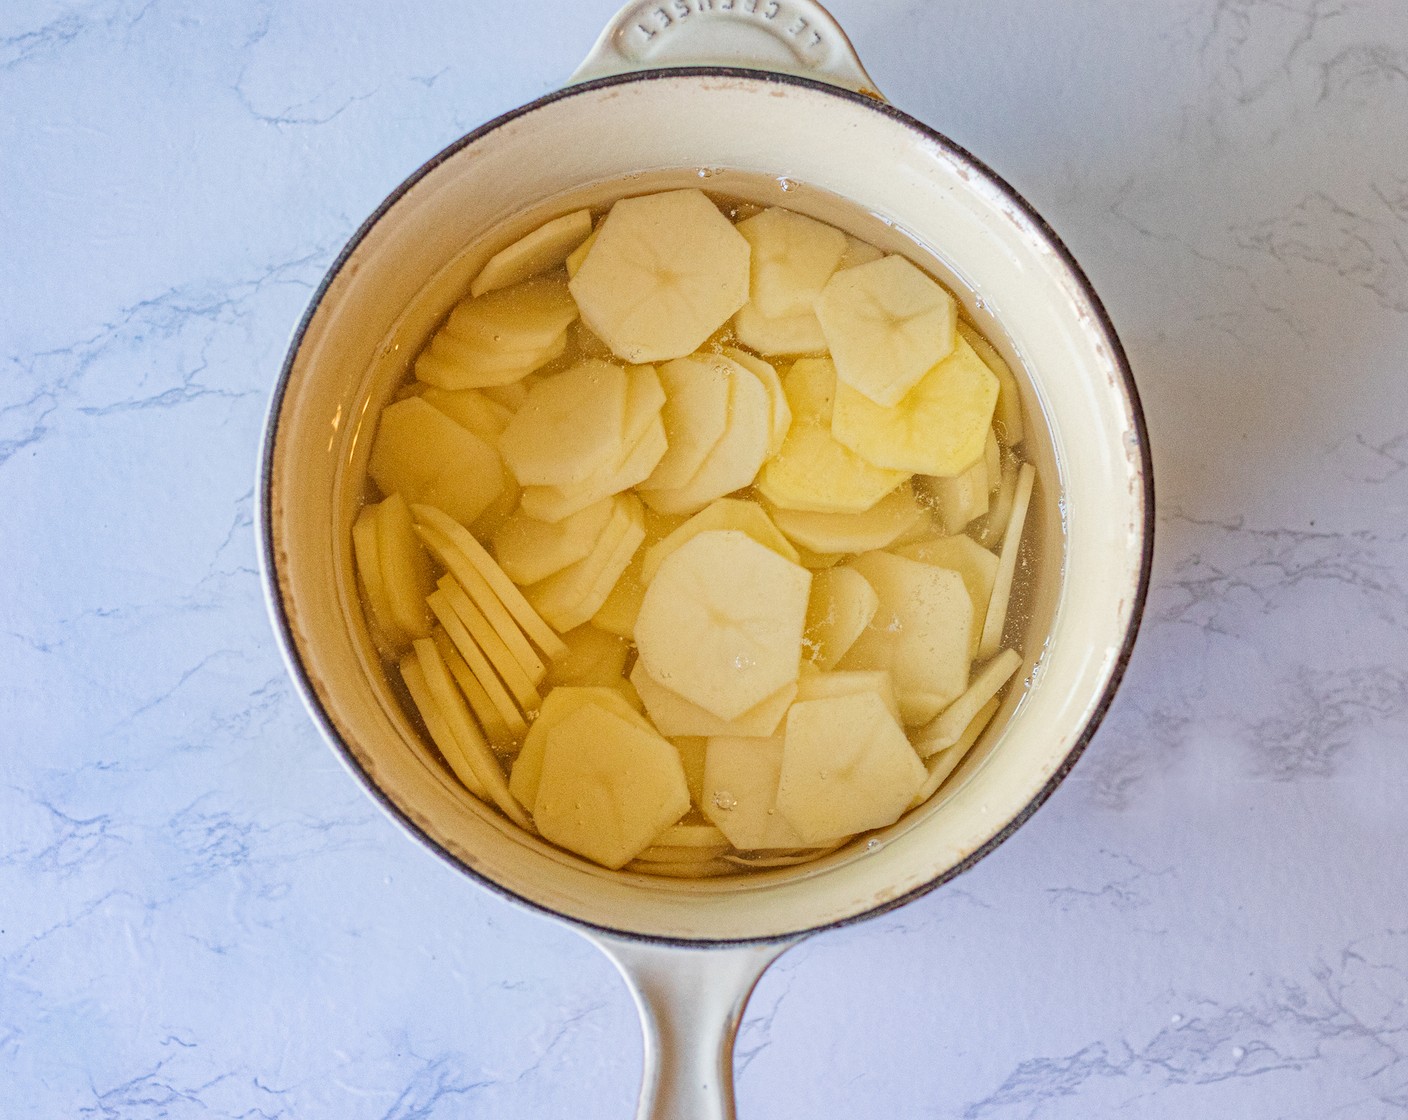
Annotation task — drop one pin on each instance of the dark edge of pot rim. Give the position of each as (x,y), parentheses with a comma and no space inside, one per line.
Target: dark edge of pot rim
(283,630)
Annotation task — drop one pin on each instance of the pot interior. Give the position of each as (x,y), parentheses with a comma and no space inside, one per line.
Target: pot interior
(834,156)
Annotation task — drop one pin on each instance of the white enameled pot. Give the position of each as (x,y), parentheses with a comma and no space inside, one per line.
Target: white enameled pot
(741,92)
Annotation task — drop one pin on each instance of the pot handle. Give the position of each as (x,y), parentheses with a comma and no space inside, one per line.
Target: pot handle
(783,36)
(690,1002)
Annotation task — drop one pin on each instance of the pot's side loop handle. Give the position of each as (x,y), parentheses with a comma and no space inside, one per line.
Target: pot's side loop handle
(784,36)
(690,1003)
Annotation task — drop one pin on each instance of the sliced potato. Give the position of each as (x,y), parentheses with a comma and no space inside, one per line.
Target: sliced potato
(622,607)
(828,686)
(857,253)
(525,317)
(946,761)
(496,728)
(969,559)
(726,513)
(426,457)
(721,623)
(478,663)
(733,461)
(698,390)
(666,271)
(886,324)
(841,606)
(579,254)
(921,632)
(813,471)
(572,425)
(798,334)
(996,621)
(692,750)
(793,257)
(676,716)
(570,597)
(779,411)
(366,549)
(897,513)
(740,792)
(557,706)
(522,680)
(937,428)
(1008,418)
(530,550)
(961,499)
(608,787)
(947,728)
(473,409)
(546,247)
(405,568)
(439,727)
(846,768)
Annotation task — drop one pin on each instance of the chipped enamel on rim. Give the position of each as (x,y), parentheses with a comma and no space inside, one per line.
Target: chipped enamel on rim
(987,240)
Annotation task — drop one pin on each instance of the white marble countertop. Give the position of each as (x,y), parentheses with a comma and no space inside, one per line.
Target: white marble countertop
(202,916)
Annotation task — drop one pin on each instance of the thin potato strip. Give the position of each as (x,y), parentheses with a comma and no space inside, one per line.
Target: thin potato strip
(537,630)
(494,725)
(367,550)
(996,620)
(948,727)
(472,745)
(469,578)
(703,870)
(944,763)
(439,729)
(990,529)
(478,663)
(661,853)
(489,640)
(692,835)
(789,860)
(1008,418)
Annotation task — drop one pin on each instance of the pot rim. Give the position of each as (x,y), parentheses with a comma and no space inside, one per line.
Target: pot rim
(268,561)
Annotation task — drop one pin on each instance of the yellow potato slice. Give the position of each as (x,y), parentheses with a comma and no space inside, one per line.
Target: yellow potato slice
(857,253)
(622,607)
(1008,417)
(697,394)
(473,409)
(645,441)
(996,621)
(594,657)
(897,513)
(722,622)
(733,462)
(474,751)
(478,663)
(726,513)
(886,325)
(571,426)
(948,726)
(522,679)
(969,559)
(608,787)
(454,364)
(426,457)
(366,549)
(937,428)
(510,396)
(546,247)
(666,271)
(692,836)
(496,728)
(798,334)
(828,686)
(557,705)
(438,726)
(960,500)
(485,581)
(946,761)
(530,550)
(570,597)
(678,857)
(740,792)
(846,768)
(779,411)
(526,317)
(921,633)
(988,531)
(579,254)
(842,604)
(674,715)
(793,257)
(405,568)
(812,471)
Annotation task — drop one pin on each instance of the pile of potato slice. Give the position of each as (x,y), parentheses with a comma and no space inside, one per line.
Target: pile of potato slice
(698,535)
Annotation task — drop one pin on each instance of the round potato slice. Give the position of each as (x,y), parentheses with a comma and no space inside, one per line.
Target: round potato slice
(721,623)
(665,272)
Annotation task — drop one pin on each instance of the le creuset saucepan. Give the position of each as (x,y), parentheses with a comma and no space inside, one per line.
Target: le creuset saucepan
(715,88)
